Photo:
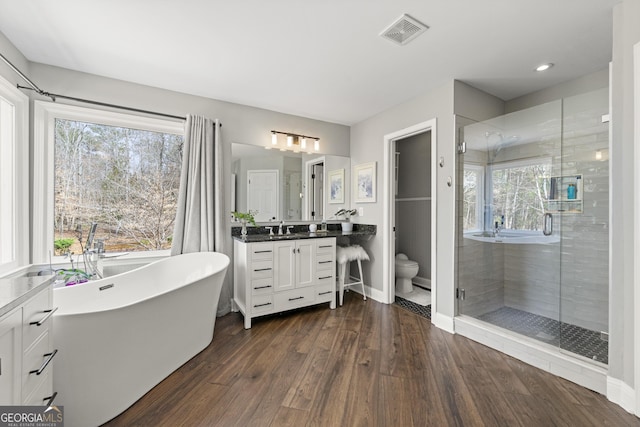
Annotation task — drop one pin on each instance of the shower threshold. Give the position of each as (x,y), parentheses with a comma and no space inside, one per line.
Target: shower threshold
(572,338)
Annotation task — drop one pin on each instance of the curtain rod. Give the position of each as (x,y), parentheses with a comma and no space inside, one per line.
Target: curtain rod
(53,96)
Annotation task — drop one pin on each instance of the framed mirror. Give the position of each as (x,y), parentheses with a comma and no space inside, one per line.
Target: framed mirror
(284,185)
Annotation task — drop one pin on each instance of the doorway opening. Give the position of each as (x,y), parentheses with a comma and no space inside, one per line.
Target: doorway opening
(409,215)
(315,189)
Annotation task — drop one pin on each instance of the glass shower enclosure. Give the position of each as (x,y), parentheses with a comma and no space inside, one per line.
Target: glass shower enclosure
(533,219)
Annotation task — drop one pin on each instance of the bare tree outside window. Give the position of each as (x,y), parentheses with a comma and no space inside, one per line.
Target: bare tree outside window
(126,180)
(519,193)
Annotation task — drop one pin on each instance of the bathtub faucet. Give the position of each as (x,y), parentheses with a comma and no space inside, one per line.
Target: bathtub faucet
(499,226)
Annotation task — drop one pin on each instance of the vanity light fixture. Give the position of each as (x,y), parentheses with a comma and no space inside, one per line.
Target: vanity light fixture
(544,67)
(295,142)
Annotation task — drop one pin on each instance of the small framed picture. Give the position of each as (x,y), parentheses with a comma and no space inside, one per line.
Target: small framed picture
(336,186)
(364,183)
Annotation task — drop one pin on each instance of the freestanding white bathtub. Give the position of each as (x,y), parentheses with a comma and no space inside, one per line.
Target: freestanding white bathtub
(120,336)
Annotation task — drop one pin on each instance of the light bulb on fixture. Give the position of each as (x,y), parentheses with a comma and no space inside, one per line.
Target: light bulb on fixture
(274,138)
(303,143)
(316,145)
(598,154)
(289,141)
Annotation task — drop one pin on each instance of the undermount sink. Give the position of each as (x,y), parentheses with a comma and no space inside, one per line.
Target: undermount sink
(287,236)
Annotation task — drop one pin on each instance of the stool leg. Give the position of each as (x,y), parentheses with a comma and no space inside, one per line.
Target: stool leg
(343,268)
(364,294)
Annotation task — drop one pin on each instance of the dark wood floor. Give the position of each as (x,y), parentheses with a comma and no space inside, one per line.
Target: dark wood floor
(364,364)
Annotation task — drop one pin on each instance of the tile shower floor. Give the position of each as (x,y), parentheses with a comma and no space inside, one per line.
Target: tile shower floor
(575,339)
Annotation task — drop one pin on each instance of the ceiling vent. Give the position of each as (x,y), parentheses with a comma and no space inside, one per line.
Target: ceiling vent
(404,29)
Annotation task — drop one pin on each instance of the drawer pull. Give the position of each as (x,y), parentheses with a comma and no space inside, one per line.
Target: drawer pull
(262,252)
(325,277)
(262,269)
(49,358)
(50,399)
(324,293)
(296,298)
(262,287)
(325,246)
(325,262)
(45,318)
(262,305)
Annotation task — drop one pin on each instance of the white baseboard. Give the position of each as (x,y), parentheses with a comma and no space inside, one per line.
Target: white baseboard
(621,394)
(443,322)
(422,282)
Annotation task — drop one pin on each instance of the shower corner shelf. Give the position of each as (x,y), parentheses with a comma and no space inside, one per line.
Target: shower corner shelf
(558,201)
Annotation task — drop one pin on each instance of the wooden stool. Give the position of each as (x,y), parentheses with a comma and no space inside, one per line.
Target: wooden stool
(344,255)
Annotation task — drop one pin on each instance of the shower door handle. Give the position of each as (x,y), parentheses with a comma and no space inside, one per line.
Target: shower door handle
(547,229)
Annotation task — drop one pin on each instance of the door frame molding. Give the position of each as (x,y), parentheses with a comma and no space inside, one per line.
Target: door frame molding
(306,214)
(388,221)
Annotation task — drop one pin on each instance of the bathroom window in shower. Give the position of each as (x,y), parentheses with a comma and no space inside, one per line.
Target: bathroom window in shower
(519,192)
(473,199)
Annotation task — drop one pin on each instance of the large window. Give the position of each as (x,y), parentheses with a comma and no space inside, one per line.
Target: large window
(519,192)
(125,180)
(117,170)
(14,178)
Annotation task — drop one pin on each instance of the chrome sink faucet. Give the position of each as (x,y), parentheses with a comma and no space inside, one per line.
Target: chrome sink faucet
(280,228)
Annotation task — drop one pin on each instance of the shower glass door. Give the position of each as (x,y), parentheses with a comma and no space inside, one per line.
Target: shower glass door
(532,203)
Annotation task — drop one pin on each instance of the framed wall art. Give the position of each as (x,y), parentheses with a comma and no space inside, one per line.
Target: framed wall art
(336,186)
(364,183)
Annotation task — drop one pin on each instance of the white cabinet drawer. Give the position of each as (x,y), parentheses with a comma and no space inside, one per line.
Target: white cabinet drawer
(326,246)
(34,361)
(325,262)
(262,304)
(261,251)
(294,298)
(36,317)
(42,392)
(261,269)
(262,286)
(324,292)
(325,278)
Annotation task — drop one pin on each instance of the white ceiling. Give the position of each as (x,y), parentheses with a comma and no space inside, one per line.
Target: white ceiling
(321,59)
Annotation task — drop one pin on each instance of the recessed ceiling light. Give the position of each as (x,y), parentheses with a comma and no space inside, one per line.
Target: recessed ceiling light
(544,67)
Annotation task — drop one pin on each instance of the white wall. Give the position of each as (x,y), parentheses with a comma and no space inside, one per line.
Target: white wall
(367,146)
(626,33)
(240,123)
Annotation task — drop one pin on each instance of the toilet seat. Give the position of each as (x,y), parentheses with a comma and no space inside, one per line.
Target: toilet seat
(406,263)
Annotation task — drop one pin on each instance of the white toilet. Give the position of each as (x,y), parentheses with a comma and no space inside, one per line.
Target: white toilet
(406,270)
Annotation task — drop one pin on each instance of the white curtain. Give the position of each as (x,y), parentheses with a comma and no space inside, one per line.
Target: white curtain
(201,217)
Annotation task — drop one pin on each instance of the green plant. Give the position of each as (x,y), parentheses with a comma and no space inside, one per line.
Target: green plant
(346,213)
(62,245)
(245,216)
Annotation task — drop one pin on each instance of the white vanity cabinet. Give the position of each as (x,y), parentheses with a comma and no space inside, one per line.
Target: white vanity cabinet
(26,352)
(275,276)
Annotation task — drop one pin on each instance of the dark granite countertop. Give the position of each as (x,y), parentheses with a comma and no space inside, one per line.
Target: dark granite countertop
(16,291)
(261,234)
